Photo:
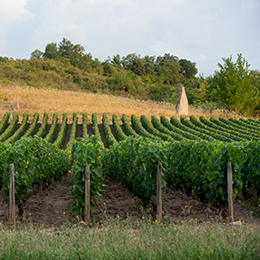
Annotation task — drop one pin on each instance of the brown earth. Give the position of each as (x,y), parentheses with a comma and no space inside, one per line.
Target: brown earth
(54,206)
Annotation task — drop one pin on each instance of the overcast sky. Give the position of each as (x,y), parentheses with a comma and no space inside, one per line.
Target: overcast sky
(202,31)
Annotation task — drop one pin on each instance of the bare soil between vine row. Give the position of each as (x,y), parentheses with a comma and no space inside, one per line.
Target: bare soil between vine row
(53,206)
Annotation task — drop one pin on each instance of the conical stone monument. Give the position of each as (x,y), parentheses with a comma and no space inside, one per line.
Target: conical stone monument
(182,102)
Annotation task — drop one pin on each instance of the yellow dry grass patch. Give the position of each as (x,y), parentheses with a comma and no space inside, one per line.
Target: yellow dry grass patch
(31,100)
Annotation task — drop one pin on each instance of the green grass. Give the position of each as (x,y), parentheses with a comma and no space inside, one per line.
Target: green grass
(127,240)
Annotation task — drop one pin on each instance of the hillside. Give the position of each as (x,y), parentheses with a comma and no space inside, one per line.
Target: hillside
(27,99)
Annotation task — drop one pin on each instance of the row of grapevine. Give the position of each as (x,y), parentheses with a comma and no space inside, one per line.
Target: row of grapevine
(34,160)
(88,152)
(119,132)
(216,124)
(150,129)
(95,127)
(128,129)
(10,129)
(241,124)
(140,130)
(49,137)
(19,132)
(4,122)
(229,136)
(239,128)
(204,131)
(161,128)
(84,125)
(176,130)
(166,123)
(200,166)
(108,134)
(33,125)
(228,125)
(73,132)
(251,121)
(42,129)
(62,132)
(189,130)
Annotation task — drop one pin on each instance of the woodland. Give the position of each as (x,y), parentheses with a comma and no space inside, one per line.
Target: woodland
(67,66)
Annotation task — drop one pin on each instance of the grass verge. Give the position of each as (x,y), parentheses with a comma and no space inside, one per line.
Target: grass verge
(127,240)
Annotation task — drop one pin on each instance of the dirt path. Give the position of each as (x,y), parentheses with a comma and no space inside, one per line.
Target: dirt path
(54,205)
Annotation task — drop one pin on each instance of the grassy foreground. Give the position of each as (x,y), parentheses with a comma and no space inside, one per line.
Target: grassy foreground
(126,240)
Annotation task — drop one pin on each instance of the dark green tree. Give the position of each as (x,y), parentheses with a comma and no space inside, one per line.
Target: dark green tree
(167,69)
(37,54)
(116,60)
(188,69)
(51,51)
(66,48)
(134,63)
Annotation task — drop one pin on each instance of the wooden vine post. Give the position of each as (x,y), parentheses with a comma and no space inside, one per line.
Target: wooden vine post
(159,192)
(11,193)
(230,192)
(87,195)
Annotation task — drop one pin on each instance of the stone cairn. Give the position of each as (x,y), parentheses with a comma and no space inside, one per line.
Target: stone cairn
(182,102)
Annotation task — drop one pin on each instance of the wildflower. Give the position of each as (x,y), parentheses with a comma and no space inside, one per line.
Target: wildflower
(63,213)
(234,234)
(176,234)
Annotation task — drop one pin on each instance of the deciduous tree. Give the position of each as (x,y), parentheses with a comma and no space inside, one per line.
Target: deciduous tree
(234,85)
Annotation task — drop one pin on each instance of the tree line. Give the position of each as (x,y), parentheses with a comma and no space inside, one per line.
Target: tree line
(67,66)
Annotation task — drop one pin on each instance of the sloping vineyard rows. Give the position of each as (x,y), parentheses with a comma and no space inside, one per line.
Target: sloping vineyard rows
(159,130)
(194,152)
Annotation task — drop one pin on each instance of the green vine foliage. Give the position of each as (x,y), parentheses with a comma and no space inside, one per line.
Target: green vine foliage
(202,167)
(41,131)
(87,152)
(4,122)
(34,160)
(134,162)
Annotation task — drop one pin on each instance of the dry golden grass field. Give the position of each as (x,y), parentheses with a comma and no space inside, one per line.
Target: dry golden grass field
(31,100)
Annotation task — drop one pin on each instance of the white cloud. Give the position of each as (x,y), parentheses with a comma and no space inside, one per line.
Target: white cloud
(202,31)
(250,4)
(11,13)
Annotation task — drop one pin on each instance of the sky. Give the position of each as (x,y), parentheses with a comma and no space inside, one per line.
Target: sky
(202,31)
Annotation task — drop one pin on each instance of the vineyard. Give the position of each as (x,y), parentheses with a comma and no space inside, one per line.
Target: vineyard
(194,153)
